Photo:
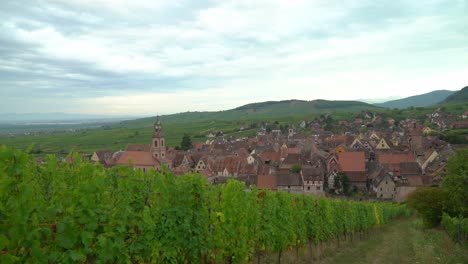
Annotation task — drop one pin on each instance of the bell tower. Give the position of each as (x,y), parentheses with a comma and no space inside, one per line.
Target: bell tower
(158,142)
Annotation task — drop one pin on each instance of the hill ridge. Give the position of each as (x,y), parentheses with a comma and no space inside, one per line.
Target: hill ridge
(420,100)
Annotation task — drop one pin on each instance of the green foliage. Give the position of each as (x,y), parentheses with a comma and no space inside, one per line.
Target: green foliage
(430,202)
(460,96)
(186,142)
(456,183)
(456,227)
(80,212)
(341,183)
(296,168)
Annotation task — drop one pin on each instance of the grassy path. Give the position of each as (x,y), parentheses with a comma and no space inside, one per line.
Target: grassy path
(402,241)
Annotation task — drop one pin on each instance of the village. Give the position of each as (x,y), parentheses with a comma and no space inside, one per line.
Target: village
(374,158)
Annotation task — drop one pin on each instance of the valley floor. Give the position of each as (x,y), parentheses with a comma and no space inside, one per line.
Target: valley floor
(402,241)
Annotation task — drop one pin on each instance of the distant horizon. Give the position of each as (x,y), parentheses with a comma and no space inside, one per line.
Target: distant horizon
(42,116)
(139,57)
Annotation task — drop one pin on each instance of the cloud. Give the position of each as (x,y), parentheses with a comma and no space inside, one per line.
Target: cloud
(109,55)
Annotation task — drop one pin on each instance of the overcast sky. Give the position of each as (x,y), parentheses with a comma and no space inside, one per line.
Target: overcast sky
(131,57)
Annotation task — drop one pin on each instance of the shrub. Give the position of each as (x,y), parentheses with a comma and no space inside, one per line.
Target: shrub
(430,203)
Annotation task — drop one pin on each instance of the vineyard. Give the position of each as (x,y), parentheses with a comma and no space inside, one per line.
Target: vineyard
(80,212)
(457,228)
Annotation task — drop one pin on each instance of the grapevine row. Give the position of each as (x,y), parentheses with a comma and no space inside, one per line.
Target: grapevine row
(61,213)
(456,227)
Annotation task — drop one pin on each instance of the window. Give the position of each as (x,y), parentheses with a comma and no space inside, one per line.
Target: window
(157,155)
(144,169)
(381,188)
(162,154)
(318,188)
(156,143)
(162,142)
(308,188)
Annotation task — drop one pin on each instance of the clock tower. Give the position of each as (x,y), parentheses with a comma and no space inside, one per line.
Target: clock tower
(158,142)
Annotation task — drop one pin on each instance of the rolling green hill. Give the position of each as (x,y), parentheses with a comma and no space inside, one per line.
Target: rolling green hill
(421,100)
(197,124)
(458,97)
(268,110)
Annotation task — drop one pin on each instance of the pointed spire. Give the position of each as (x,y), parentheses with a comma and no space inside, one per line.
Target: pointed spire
(157,119)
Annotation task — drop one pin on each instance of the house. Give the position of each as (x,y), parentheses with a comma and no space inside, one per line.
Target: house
(266,182)
(289,182)
(382,144)
(312,177)
(357,144)
(290,161)
(374,136)
(101,156)
(426,131)
(429,156)
(270,157)
(340,149)
(303,124)
(460,124)
(141,160)
(252,158)
(392,161)
(353,164)
(383,186)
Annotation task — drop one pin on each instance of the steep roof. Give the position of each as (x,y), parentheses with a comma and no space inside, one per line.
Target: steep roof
(292,159)
(271,156)
(411,168)
(352,161)
(396,158)
(139,158)
(104,154)
(266,182)
(312,173)
(286,178)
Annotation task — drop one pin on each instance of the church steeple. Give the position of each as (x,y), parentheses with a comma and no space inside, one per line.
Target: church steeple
(158,142)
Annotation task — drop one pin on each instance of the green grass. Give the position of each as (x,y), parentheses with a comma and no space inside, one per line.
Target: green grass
(401,241)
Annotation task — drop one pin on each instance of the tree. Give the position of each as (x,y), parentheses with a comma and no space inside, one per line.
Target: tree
(344,183)
(186,143)
(456,183)
(430,202)
(296,168)
(337,183)
(341,183)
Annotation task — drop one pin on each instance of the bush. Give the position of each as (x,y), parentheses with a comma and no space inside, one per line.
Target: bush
(430,203)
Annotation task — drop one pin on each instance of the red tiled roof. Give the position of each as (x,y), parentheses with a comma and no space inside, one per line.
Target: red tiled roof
(266,182)
(396,158)
(352,161)
(139,158)
(270,155)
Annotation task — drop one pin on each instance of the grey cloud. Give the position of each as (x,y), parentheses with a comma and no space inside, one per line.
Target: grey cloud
(169,47)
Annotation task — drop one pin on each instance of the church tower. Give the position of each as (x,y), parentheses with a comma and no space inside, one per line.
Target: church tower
(158,142)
